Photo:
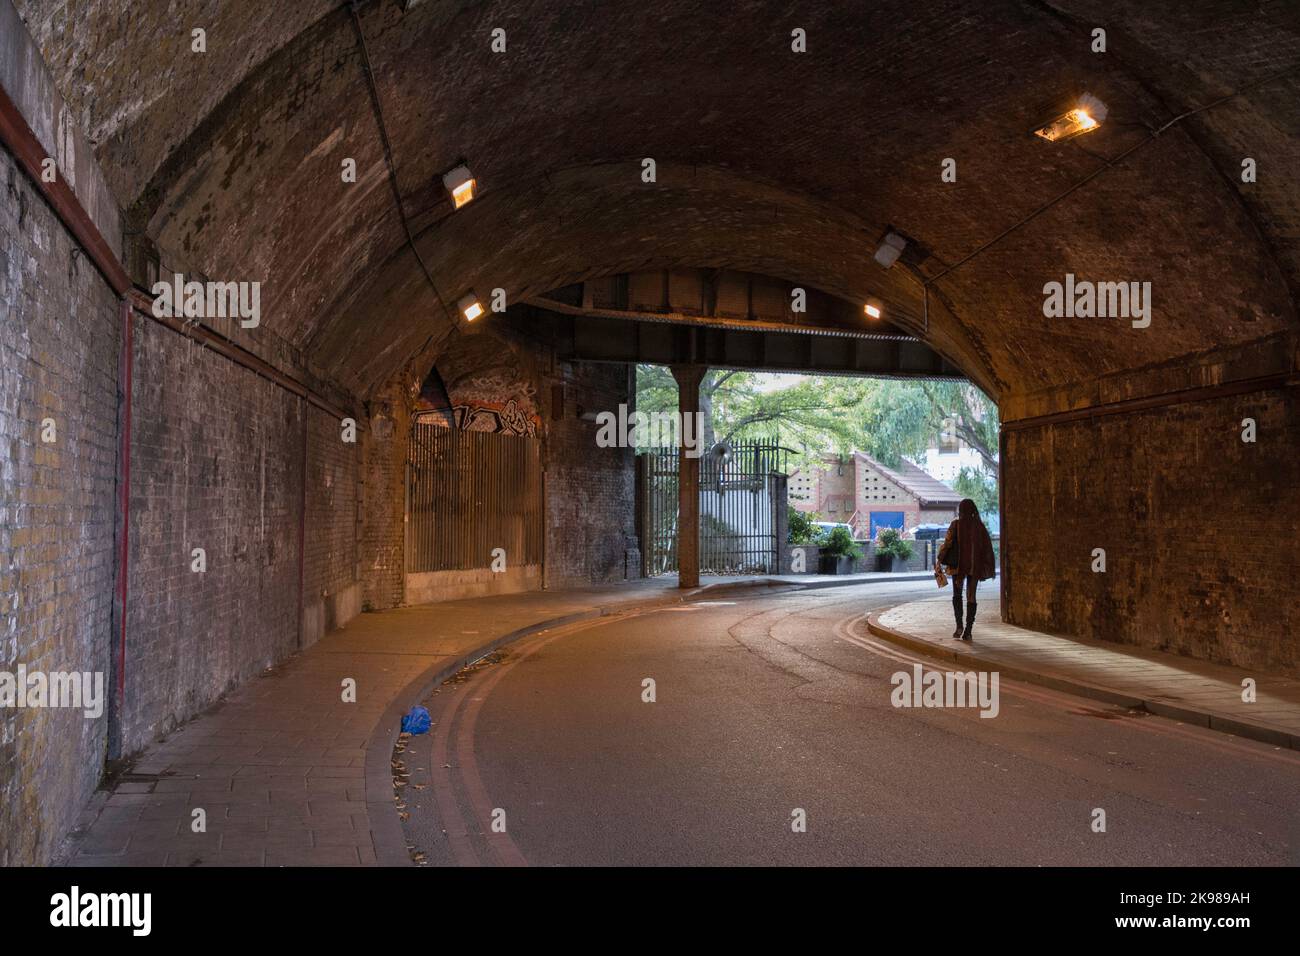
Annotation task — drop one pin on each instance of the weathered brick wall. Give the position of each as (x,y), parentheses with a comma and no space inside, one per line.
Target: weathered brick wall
(1198,529)
(216,463)
(58,359)
(383,565)
(835,491)
(590,491)
(331,589)
(216,457)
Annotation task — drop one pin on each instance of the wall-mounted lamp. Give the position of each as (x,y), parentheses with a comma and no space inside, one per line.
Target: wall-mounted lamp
(890,249)
(469,307)
(460,183)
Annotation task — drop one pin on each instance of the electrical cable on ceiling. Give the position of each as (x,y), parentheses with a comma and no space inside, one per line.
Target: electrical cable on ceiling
(354,8)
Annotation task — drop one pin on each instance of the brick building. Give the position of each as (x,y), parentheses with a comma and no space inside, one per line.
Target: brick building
(867,494)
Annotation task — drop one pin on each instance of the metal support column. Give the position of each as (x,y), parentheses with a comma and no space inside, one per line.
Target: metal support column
(688,485)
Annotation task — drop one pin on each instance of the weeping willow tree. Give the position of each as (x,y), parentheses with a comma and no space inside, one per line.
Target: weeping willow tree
(818,415)
(903,418)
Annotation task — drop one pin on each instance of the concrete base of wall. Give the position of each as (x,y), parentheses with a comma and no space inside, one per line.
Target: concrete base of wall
(330,613)
(430,586)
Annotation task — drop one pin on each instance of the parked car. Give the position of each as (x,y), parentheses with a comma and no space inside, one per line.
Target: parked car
(829,526)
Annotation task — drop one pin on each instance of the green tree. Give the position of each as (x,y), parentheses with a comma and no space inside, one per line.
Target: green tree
(819,413)
(903,418)
(979,487)
(802,527)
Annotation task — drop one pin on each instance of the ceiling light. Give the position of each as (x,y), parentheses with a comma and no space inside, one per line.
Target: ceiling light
(890,249)
(873,308)
(460,183)
(1086,115)
(469,307)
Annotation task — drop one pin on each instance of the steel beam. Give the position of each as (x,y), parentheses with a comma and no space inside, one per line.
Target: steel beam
(604,338)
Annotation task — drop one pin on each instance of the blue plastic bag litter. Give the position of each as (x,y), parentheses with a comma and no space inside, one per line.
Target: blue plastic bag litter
(417,721)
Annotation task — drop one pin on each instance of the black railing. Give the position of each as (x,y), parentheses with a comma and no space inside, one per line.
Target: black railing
(739,508)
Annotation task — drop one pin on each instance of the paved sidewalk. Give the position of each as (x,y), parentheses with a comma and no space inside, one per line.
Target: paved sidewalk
(279,767)
(1166,684)
(288,774)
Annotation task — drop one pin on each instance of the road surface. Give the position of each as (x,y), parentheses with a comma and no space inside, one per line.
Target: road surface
(776,709)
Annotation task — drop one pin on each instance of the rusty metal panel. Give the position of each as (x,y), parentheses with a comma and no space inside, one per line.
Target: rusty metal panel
(470,493)
(686,291)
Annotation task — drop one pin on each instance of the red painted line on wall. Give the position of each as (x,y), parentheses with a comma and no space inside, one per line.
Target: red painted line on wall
(17,137)
(125,368)
(20,140)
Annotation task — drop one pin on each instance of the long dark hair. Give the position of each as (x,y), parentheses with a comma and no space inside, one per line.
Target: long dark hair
(970,529)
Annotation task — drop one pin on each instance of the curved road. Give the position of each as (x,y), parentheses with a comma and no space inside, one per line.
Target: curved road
(769,705)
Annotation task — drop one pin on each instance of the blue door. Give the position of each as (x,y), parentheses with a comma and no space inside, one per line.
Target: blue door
(885,519)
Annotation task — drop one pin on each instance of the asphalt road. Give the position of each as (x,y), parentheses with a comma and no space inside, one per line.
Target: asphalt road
(769,705)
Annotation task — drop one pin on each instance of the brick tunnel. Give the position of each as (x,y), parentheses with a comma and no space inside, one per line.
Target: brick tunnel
(487,213)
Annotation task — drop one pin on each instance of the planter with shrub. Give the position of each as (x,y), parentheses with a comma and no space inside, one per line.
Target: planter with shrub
(839,552)
(892,549)
(805,537)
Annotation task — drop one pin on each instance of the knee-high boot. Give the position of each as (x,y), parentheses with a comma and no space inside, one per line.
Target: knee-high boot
(956,609)
(970,619)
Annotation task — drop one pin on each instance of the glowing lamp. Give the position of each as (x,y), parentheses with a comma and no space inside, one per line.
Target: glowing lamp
(470,307)
(460,183)
(1086,115)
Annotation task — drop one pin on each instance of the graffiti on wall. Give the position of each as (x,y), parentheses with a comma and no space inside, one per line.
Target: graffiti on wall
(495,397)
(508,418)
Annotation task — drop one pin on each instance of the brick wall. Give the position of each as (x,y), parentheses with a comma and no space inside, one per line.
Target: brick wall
(590,491)
(216,463)
(937,515)
(835,492)
(876,492)
(1199,529)
(59,332)
(331,588)
(860,490)
(383,565)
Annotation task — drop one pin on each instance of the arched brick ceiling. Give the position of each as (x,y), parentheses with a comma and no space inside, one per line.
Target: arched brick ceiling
(769,161)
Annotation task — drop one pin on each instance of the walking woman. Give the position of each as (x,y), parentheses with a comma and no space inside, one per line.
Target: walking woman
(967,553)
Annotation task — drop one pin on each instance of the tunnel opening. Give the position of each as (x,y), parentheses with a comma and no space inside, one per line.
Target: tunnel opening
(499,375)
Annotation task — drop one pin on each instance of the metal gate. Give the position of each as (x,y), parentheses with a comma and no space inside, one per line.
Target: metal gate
(739,507)
(468,493)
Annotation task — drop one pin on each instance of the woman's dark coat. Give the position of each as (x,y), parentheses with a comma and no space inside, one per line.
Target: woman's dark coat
(967,549)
